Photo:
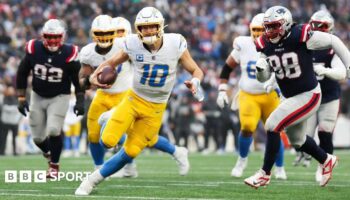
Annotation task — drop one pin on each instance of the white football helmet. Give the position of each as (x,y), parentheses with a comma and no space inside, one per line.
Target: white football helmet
(277,22)
(122,24)
(103,31)
(149,16)
(257,26)
(322,21)
(53,34)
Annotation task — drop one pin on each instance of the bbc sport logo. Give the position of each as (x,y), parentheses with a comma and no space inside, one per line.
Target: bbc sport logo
(39,176)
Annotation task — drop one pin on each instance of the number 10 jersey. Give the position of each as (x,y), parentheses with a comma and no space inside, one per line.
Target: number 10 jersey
(154,73)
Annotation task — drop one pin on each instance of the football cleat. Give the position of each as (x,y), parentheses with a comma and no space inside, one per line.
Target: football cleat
(88,184)
(307,160)
(241,164)
(298,159)
(181,157)
(260,178)
(130,171)
(280,173)
(52,172)
(327,169)
(318,174)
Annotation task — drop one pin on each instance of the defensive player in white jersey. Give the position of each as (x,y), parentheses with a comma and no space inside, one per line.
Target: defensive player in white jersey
(256,100)
(154,57)
(104,31)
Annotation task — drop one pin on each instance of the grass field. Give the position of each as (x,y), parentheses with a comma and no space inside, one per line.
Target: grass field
(209,178)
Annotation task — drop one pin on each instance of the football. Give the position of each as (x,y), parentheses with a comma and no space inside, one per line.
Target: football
(107,76)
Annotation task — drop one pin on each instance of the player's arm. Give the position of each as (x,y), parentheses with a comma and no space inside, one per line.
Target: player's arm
(84,75)
(113,61)
(197,74)
(74,66)
(229,65)
(336,72)
(21,84)
(321,40)
(263,72)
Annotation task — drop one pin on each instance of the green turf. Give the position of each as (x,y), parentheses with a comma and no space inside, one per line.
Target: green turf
(209,178)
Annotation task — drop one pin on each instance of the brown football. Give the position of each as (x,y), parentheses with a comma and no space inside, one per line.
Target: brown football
(107,76)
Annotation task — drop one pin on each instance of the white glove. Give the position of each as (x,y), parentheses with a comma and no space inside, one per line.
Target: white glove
(268,87)
(261,64)
(320,69)
(222,99)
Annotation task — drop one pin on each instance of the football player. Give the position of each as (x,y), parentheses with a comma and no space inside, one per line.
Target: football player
(286,49)
(256,100)
(329,70)
(104,30)
(154,57)
(55,67)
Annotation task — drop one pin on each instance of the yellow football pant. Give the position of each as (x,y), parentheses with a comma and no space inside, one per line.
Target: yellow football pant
(146,118)
(73,130)
(101,103)
(253,107)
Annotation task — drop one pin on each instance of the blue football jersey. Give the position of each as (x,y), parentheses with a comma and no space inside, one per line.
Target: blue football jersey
(291,60)
(330,88)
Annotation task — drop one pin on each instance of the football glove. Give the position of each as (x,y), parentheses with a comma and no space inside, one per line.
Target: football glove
(23,107)
(261,65)
(320,70)
(222,99)
(79,105)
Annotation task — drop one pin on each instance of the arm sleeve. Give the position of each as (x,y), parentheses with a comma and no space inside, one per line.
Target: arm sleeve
(23,73)
(74,74)
(235,53)
(337,72)
(263,72)
(321,40)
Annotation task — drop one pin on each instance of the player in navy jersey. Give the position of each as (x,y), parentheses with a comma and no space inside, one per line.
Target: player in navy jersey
(286,50)
(54,68)
(329,70)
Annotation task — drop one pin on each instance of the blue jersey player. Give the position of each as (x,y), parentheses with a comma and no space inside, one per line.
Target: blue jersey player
(54,67)
(286,49)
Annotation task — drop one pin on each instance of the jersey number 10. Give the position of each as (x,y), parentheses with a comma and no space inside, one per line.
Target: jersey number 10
(154,75)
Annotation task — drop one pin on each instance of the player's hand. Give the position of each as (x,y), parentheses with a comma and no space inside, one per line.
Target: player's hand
(23,106)
(194,86)
(79,108)
(93,80)
(320,69)
(261,65)
(222,99)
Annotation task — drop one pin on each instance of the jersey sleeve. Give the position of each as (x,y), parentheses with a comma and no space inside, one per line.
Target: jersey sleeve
(73,56)
(182,45)
(84,55)
(306,33)
(23,73)
(30,47)
(260,43)
(236,52)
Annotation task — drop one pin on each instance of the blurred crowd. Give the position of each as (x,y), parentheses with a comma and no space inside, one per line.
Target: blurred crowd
(208,26)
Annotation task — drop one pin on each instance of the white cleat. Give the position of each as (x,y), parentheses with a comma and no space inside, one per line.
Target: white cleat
(260,178)
(88,184)
(280,173)
(241,164)
(130,170)
(181,157)
(318,174)
(327,169)
(118,174)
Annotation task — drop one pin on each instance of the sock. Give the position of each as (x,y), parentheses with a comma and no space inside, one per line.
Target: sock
(115,163)
(244,145)
(55,144)
(280,156)
(122,140)
(44,145)
(67,143)
(272,146)
(76,143)
(326,142)
(97,153)
(164,145)
(315,151)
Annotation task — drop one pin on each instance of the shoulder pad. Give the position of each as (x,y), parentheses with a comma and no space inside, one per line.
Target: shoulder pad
(30,46)
(306,33)
(259,43)
(73,55)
